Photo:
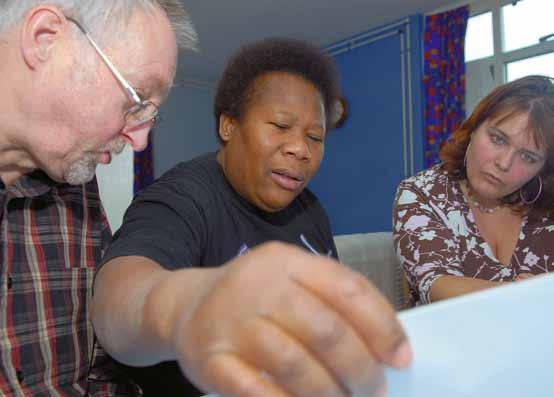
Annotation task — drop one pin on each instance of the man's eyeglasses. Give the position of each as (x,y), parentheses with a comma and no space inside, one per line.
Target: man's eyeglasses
(142,111)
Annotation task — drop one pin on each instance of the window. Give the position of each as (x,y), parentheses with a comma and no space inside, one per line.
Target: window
(526,22)
(542,64)
(521,34)
(479,37)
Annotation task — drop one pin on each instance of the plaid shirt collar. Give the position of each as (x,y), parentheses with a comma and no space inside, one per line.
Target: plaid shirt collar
(31,185)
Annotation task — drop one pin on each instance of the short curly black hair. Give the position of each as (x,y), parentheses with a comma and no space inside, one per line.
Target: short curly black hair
(274,55)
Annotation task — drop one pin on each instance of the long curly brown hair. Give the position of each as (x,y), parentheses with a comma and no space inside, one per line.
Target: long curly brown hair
(531,95)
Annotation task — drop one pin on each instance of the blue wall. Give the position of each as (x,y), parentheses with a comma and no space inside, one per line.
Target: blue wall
(381,141)
(186,128)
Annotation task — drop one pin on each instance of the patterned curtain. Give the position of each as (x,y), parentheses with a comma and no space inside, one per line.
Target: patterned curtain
(143,167)
(444,78)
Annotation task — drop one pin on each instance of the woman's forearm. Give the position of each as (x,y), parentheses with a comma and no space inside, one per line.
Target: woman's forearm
(134,307)
(450,286)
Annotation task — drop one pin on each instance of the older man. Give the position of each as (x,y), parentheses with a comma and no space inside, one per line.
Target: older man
(79,81)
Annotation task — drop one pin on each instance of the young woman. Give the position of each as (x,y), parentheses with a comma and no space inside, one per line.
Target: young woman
(481,217)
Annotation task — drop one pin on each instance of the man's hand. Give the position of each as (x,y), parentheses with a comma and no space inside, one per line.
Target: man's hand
(281,322)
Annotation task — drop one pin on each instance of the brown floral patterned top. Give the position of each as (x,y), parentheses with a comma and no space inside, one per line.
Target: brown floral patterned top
(435,234)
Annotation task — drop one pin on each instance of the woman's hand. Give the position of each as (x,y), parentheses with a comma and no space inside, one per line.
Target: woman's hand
(276,322)
(280,322)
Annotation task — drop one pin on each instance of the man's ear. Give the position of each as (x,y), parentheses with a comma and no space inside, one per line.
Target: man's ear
(226,127)
(42,27)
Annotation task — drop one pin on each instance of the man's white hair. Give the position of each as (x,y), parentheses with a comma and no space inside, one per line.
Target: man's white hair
(105,17)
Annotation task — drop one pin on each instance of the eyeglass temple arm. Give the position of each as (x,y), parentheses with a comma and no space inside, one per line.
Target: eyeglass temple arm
(130,90)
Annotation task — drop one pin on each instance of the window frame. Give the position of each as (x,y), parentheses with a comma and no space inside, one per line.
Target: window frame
(499,60)
(484,74)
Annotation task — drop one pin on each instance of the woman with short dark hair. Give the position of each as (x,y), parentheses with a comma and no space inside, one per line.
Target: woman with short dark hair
(191,283)
(482,217)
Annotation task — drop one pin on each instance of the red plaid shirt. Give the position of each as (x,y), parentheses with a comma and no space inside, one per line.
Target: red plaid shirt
(52,238)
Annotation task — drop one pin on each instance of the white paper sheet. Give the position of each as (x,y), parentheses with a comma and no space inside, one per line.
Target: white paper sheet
(498,342)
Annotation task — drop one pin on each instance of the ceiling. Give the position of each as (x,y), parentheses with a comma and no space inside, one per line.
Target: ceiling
(224,25)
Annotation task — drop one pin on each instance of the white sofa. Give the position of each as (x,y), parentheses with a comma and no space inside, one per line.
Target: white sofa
(372,254)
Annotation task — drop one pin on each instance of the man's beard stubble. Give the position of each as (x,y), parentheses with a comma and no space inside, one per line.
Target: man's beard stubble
(83,169)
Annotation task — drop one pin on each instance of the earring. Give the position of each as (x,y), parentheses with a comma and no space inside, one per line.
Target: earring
(522,196)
